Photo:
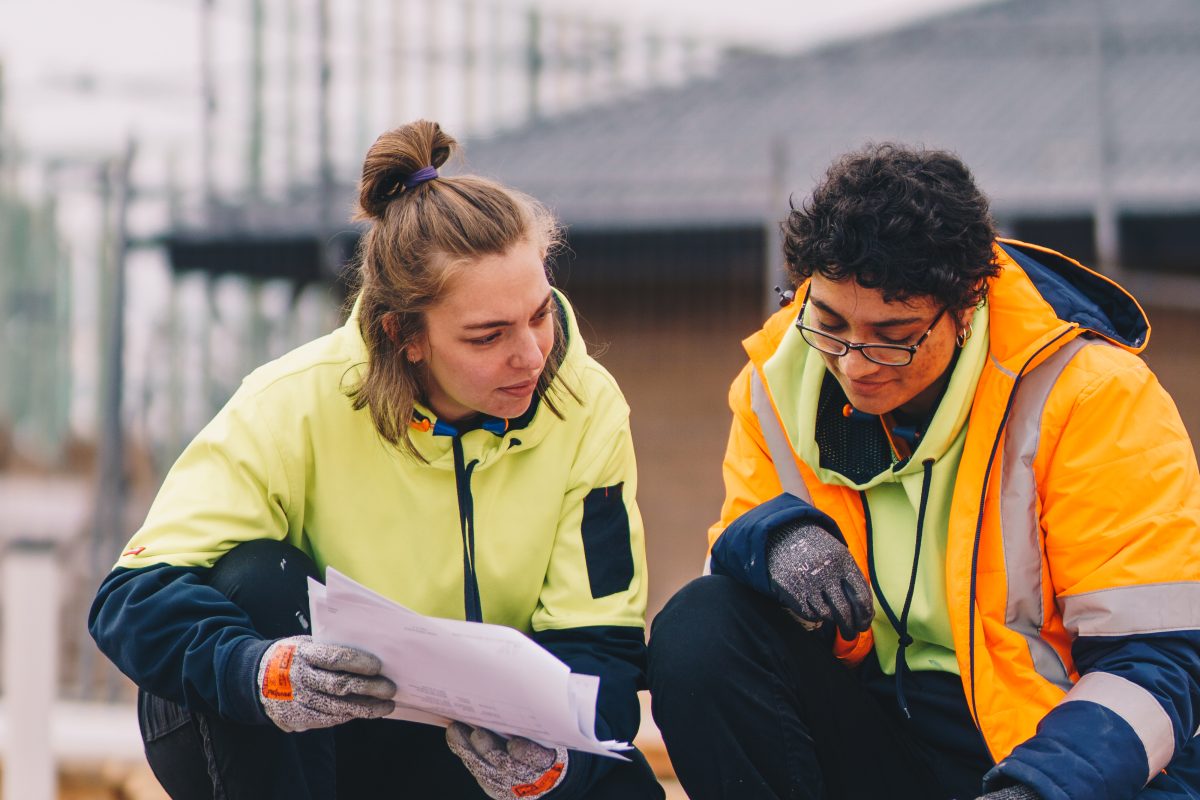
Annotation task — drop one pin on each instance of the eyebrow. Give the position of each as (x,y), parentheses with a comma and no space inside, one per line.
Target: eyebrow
(501,323)
(895,322)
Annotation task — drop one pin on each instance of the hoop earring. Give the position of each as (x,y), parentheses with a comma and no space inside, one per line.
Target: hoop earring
(964,334)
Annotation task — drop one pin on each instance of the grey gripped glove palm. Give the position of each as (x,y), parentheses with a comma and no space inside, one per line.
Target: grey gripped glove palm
(1018,791)
(814,575)
(507,768)
(304,684)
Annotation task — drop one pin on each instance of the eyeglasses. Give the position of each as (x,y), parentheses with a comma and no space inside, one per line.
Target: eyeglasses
(889,355)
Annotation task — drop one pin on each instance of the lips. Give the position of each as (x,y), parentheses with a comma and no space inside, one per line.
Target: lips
(867,387)
(524,387)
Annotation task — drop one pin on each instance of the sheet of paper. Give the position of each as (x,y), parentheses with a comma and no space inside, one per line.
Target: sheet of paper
(486,675)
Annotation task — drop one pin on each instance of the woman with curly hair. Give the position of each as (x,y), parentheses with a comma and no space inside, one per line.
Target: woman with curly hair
(958,554)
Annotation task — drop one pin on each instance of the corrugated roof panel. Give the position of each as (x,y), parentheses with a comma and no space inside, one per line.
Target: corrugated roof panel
(1014,87)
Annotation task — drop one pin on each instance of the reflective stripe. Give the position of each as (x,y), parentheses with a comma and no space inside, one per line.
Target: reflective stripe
(1131,610)
(1136,706)
(1019,513)
(778,446)
(1003,369)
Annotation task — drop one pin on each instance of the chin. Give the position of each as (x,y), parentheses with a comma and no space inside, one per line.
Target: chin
(873,405)
(510,409)
(869,407)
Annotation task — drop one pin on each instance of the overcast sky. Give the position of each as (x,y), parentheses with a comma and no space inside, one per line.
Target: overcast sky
(81,77)
(784,24)
(80,72)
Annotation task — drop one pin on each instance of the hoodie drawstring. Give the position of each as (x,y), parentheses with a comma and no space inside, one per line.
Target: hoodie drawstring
(901,623)
(466,522)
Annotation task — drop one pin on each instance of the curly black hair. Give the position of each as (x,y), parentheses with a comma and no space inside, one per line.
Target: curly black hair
(910,222)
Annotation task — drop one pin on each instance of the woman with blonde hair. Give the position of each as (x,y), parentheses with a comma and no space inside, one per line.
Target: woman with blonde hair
(452,446)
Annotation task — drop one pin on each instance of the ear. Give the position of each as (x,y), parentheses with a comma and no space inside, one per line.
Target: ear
(969,315)
(391,326)
(416,351)
(963,324)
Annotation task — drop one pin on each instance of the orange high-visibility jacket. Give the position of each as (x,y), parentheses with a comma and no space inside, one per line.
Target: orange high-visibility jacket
(1074,524)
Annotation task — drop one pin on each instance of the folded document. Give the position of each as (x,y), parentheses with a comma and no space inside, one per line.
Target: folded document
(489,676)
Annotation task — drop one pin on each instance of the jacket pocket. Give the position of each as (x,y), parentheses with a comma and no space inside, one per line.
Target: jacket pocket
(606,545)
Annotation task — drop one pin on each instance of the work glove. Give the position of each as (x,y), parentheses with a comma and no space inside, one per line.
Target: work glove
(1018,791)
(304,684)
(814,575)
(507,768)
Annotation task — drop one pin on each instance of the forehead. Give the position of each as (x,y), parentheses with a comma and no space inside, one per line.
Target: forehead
(852,301)
(496,286)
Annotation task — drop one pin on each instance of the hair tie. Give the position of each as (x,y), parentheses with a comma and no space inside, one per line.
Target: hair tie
(422,175)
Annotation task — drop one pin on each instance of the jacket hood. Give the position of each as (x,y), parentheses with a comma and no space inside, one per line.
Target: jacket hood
(1080,296)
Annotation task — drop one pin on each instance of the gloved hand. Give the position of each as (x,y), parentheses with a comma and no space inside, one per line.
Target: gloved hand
(507,768)
(814,575)
(1018,791)
(304,684)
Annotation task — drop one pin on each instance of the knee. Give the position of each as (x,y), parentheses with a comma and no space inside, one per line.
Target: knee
(632,781)
(261,560)
(268,579)
(706,622)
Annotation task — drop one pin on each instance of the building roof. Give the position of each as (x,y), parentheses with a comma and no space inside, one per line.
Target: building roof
(1030,93)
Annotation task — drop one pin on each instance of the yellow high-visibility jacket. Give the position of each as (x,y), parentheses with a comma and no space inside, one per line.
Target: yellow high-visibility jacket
(530,523)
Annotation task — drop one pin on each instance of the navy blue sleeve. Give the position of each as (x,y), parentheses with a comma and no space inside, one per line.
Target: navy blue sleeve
(1085,749)
(180,639)
(616,654)
(740,552)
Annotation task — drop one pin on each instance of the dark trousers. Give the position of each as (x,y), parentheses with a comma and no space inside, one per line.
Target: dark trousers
(199,756)
(752,706)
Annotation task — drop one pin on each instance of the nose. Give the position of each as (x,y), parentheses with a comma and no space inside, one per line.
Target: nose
(855,365)
(526,354)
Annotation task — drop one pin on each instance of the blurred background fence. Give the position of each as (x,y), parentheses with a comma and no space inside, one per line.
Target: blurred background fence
(190,276)
(140,282)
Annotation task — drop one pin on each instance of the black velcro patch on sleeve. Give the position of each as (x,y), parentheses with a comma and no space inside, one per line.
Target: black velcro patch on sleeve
(606,545)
